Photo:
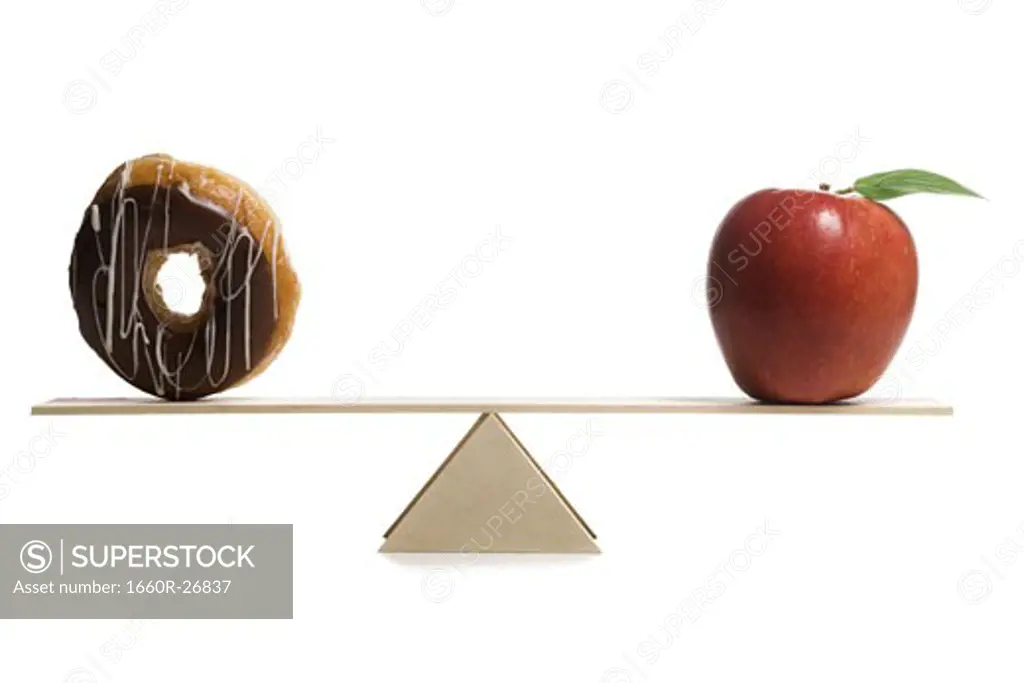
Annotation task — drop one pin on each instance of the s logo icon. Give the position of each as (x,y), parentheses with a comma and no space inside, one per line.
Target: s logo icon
(36,557)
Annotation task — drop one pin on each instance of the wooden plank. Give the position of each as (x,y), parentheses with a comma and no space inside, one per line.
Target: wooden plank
(696,406)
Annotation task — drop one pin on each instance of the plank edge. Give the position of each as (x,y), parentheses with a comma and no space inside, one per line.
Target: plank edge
(696,406)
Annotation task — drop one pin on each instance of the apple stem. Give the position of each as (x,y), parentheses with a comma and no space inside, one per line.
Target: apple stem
(846,191)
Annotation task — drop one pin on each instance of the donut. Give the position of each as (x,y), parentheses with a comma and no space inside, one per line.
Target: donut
(148,210)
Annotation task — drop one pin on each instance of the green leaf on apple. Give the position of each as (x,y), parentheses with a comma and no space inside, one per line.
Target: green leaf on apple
(892,184)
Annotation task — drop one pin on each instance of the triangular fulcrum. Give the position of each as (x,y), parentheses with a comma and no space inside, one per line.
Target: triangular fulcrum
(489,496)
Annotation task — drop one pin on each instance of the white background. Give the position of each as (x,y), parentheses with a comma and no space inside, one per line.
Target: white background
(437,123)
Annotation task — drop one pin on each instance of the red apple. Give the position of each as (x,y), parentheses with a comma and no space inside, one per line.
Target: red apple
(810,293)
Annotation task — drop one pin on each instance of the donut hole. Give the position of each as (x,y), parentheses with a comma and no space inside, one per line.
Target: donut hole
(180,284)
(177,285)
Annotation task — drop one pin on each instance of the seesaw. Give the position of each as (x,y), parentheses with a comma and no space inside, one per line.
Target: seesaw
(490,480)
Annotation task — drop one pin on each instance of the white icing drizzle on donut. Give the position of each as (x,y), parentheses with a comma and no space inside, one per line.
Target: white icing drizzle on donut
(164,372)
(167,203)
(183,187)
(271,229)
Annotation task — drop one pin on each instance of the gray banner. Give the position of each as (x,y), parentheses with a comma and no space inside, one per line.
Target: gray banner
(135,571)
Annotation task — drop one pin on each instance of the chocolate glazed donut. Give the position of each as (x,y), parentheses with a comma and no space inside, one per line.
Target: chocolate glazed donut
(147,210)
